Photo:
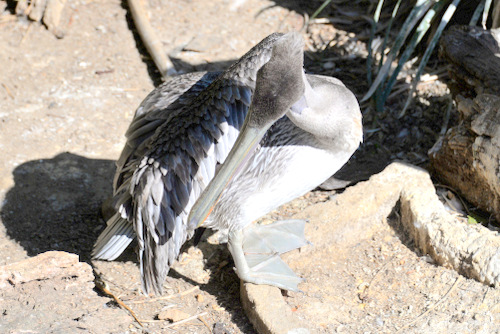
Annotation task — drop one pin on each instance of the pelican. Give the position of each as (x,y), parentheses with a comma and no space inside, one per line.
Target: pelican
(220,150)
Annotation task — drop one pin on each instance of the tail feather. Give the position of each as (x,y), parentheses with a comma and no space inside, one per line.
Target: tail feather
(156,258)
(114,239)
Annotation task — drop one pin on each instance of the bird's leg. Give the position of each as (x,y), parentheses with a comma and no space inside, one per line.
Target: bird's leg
(256,252)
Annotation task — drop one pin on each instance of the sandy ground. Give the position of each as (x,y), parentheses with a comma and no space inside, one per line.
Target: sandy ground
(66,103)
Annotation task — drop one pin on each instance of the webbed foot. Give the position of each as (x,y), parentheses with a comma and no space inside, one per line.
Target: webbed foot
(256,252)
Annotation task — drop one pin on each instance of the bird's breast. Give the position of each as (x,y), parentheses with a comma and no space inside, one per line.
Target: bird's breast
(274,176)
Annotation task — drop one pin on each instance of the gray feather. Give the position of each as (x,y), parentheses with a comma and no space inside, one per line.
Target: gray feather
(180,133)
(114,239)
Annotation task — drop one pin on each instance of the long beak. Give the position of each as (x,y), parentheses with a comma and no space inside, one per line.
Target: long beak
(237,159)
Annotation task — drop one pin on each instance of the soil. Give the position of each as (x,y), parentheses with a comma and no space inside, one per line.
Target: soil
(66,103)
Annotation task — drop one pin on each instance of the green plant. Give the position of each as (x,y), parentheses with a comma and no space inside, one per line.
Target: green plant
(417,23)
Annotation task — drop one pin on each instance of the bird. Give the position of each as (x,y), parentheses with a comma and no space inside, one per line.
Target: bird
(221,149)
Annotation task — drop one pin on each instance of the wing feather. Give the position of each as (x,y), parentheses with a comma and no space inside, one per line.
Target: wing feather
(180,133)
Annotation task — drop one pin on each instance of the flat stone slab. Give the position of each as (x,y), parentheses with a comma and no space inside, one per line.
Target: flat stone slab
(54,293)
(385,255)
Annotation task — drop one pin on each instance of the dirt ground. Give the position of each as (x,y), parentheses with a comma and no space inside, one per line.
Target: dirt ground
(66,103)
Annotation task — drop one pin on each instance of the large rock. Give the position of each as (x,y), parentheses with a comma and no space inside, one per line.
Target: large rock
(268,312)
(352,237)
(54,293)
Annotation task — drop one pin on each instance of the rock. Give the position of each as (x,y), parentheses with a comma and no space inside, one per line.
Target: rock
(173,315)
(46,266)
(22,8)
(36,292)
(267,311)
(472,250)
(52,17)
(50,11)
(38,9)
(220,328)
(355,216)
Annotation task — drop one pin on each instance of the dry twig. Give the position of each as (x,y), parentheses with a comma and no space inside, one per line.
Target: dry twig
(8,91)
(186,320)
(205,323)
(150,40)
(26,34)
(103,286)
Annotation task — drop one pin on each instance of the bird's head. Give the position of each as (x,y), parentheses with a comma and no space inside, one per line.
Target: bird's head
(279,84)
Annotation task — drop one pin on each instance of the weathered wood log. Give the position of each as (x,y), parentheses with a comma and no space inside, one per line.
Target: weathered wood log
(474,54)
(468,157)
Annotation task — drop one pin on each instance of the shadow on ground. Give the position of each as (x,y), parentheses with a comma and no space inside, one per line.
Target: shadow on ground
(55,203)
